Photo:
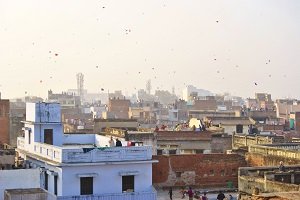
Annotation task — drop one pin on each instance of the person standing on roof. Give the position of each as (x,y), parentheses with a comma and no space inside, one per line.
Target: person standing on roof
(111,142)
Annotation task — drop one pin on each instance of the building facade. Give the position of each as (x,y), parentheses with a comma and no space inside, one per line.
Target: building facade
(4,121)
(82,166)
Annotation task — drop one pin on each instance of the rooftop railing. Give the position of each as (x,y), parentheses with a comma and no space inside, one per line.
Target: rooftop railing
(151,195)
(86,155)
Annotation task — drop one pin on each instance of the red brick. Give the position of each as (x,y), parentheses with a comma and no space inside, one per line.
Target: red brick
(195,169)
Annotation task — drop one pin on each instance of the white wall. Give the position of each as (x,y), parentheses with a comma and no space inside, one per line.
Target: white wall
(108,179)
(102,141)
(79,138)
(17,179)
(30,112)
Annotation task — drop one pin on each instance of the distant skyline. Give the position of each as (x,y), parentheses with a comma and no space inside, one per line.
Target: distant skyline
(240,47)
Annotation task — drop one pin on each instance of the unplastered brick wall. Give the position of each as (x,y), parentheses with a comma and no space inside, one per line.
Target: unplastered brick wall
(204,170)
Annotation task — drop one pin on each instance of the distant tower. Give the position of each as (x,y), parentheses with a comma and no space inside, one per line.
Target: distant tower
(80,81)
(173,90)
(148,86)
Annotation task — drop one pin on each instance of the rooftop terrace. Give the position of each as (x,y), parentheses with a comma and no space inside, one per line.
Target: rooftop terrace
(88,148)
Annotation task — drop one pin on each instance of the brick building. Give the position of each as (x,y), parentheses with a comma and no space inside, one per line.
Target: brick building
(4,121)
(118,108)
(209,104)
(200,170)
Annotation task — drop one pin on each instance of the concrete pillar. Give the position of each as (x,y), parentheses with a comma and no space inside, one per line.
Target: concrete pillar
(232,140)
(292,178)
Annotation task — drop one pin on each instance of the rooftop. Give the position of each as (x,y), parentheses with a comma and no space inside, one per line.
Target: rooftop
(88,148)
(184,135)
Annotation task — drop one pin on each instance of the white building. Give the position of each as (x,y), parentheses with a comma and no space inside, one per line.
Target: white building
(81,166)
(190,90)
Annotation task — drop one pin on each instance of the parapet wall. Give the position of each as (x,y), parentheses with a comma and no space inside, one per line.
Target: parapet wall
(271,155)
(269,179)
(246,140)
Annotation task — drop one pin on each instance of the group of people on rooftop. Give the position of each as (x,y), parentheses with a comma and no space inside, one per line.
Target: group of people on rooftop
(196,194)
(111,142)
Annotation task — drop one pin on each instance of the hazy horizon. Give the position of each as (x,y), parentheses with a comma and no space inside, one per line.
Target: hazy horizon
(118,45)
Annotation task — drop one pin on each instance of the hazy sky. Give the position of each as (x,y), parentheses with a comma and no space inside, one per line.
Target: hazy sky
(222,46)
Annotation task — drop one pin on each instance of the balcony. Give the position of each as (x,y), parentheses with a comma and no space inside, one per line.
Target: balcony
(47,151)
(75,154)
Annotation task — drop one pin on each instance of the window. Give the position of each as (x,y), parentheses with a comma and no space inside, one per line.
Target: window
(127,183)
(178,174)
(29,136)
(211,172)
(222,172)
(46,180)
(159,152)
(172,152)
(199,151)
(239,128)
(55,185)
(48,136)
(86,185)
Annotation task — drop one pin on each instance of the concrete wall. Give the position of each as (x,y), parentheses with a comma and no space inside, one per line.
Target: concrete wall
(79,138)
(246,140)
(22,178)
(205,105)
(248,184)
(260,178)
(37,133)
(221,144)
(43,112)
(30,194)
(184,144)
(272,155)
(202,170)
(15,128)
(147,139)
(7,158)
(108,180)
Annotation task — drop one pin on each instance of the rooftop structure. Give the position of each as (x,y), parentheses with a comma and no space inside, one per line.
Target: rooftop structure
(67,100)
(189,90)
